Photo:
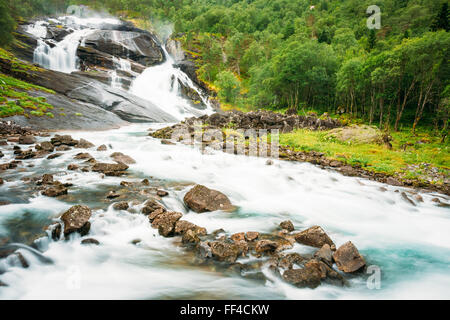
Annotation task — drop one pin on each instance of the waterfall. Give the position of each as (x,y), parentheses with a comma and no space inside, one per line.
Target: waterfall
(160,85)
(63,56)
(121,65)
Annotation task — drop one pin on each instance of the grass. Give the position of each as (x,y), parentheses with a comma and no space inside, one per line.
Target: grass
(15,100)
(373,157)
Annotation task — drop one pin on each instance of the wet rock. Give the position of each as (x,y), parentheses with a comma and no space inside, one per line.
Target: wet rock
(145,182)
(266,246)
(165,223)
(162,193)
(112,195)
(76,219)
(204,250)
(54,156)
(24,155)
(167,142)
(314,237)
(287,261)
(121,205)
(46,179)
(348,259)
(325,254)
(251,235)
(269,162)
(23,262)
(82,156)
(110,168)
(190,237)
(3,143)
(407,199)
(27,139)
(45,146)
(122,158)
(201,199)
(151,206)
(238,236)
(1,181)
(419,198)
(63,148)
(306,277)
(84,144)
(1,155)
(90,241)
(73,167)
(182,226)
(58,189)
(394,182)
(56,232)
(287,225)
(224,251)
(242,246)
(67,140)
(102,148)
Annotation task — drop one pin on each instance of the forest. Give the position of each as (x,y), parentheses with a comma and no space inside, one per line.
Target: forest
(302,55)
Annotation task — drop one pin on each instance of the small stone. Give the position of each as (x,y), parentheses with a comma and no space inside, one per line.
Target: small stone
(238,237)
(73,167)
(314,237)
(287,225)
(162,193)
(90,241)
(266,246)
(252,235)
(121,205)
(102,148)
(27,139)
(55,155)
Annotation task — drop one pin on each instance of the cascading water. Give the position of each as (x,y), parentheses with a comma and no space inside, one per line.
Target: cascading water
(121,65)
(160,85)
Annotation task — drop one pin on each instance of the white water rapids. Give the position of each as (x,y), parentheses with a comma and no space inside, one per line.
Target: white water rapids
(410,244)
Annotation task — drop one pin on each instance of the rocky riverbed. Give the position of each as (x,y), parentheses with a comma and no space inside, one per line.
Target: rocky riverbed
(102,201)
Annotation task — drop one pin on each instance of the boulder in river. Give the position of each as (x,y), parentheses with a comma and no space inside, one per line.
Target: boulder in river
(266,246)
(102,148)
(109,168)
(325,254)
(314,237)
(201,199)
(165,223)
(27,139)
(122,158)
(306,277)
(123,205)
(223,251)
(287,225)
(348,258)
(76,219)
(46,146)
(66,140)
(56,190)
(84,144)
(182,226)
(90,241)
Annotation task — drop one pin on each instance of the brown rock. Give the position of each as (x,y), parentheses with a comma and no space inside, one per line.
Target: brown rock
(162,193)
(314,237)
(287,261)
(265,246)
(73,167)
(238,237)
(182,226)
(165,223)
(45,146)
(287,225)
(82,156)
(224,251)
(46,179)
(122,158)
(1,181)
(201,199)
(325,254)
(27,139)
(152,205)
(305,277)
(109,167)
(90,241)
(348,258)
(190,236)
(67,140)
(54,156)
(76,219)
(102,148)
(84,144)
(55,191)
(252,235)
(121,206)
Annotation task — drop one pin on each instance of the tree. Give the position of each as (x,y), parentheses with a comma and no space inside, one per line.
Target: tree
(440,22)
(228,86)
(7,23)
(372,39)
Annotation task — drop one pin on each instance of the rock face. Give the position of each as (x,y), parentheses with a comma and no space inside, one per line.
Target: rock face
(348,258)
(314,237)
(201,199)
(76,219)
(141,47)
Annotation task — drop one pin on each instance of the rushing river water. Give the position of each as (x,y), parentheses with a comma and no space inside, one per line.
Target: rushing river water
(411,244)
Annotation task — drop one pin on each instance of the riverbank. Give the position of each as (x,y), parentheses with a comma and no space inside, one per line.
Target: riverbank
(388,159)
